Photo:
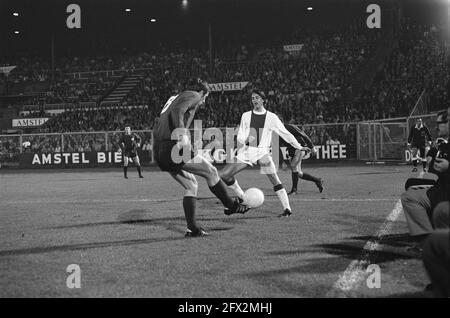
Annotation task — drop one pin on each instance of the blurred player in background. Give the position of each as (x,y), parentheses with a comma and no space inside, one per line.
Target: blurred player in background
(255,138)
(419,139)
(171,138)
(129,143)
(296,156)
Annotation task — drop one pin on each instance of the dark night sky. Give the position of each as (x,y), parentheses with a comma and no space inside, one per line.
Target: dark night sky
(107,27)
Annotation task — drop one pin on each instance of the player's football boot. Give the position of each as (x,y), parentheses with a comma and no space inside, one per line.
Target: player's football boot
(125,177)
(196,233)
(141,176)
(286,213)
(414,169)
(415,250)
(237,208)
(293,191)
(319,184)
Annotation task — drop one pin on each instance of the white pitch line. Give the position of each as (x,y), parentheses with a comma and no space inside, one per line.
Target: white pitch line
(178,199)
(355,273)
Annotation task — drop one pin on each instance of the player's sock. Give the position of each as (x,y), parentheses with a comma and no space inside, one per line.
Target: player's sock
(189,204)
(307,176)
(139,171)
(294,180)
(234,185)
(125,168)
(220,191)
(282,195)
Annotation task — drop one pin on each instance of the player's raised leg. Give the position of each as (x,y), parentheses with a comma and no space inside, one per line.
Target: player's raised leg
(308,177)
(227,174)
(201,167)
(296,167)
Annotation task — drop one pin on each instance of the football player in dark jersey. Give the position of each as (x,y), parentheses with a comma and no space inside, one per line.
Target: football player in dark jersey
(296,156)
(129,143)
(173,153)
(418,140)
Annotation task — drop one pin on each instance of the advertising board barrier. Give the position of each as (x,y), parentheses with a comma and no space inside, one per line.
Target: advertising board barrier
(334,142)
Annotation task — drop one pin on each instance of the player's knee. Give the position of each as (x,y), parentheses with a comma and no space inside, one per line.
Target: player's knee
(212,170)
(224,174)
(192,190)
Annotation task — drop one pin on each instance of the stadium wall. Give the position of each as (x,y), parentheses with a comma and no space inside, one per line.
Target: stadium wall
(365,141)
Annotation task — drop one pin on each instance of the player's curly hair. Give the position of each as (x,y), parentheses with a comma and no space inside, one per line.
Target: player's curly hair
(260,93)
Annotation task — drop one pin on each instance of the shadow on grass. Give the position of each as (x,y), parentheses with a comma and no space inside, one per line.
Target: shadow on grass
(140,217)
(393,240)
(378,172)
(84,246)
(352,222)
(344,252)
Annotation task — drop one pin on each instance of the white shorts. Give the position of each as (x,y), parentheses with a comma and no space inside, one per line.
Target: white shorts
(253,155)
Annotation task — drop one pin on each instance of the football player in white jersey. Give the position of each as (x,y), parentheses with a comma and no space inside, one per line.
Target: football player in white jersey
(255,141)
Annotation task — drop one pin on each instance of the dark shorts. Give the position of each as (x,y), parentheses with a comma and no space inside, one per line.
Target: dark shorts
(129,153)
(420,150)
(291,151)
(290,154)
(163,156)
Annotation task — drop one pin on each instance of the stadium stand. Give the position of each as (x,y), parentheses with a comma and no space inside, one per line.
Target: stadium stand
(308,87)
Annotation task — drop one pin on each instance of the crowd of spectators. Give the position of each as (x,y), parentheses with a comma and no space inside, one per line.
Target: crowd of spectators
(327,60)
(417,63)
(303,87)
(101,119)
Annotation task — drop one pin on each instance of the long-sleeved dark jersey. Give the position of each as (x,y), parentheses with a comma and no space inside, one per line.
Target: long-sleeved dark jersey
(178,112)
(418,137)
(129,142)
(302,138)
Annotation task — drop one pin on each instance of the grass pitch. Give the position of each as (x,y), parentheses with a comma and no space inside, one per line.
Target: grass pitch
(127,236)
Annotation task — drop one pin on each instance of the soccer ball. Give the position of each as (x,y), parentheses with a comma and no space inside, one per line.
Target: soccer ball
(253,198)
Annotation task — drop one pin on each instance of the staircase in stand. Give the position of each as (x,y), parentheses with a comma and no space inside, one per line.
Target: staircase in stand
(121,91)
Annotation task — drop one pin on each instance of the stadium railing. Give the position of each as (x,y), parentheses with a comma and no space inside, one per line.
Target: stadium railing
(14,146)
(334,142)
(386,139)
(380,140)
